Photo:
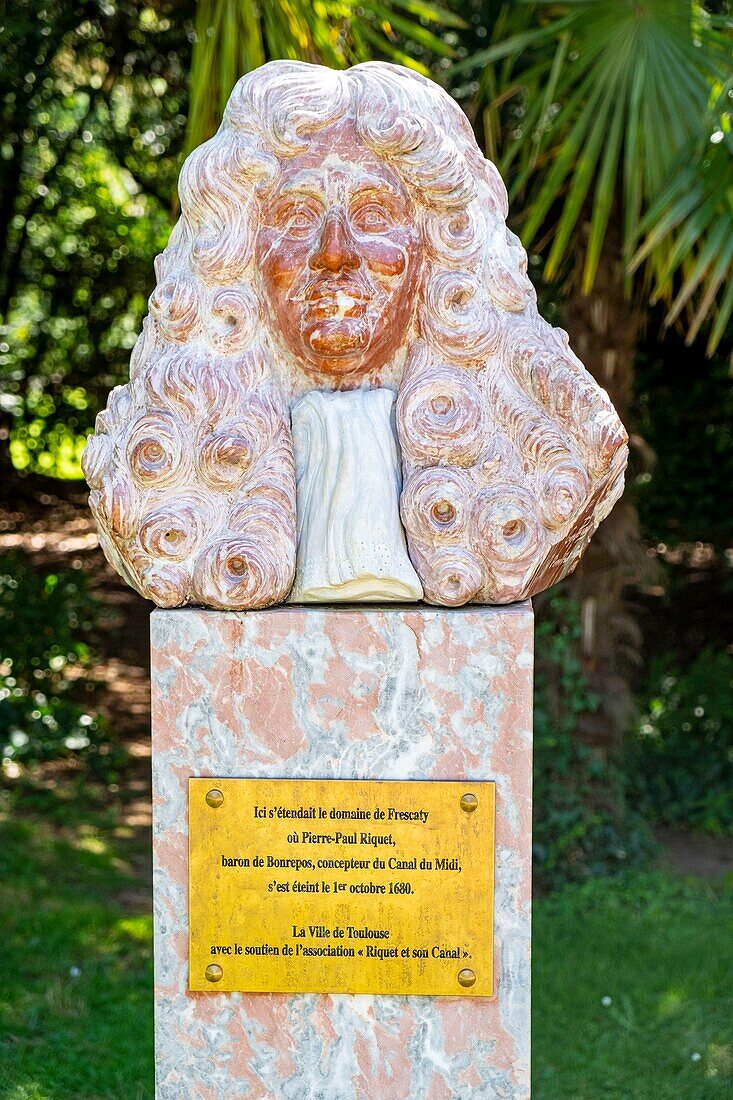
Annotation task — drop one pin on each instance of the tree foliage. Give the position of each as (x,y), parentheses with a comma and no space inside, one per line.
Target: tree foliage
(46,619)
(683,751)
(93,102)
(584,822)
(575,101)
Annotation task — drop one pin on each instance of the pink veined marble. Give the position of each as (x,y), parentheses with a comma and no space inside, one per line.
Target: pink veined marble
(375,693)
(343,231)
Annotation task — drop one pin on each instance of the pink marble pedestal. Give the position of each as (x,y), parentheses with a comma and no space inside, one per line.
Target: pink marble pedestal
(398,693)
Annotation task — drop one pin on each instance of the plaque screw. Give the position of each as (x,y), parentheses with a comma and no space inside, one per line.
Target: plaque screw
(469,802)
(214,798)
(466,978)
(214,973)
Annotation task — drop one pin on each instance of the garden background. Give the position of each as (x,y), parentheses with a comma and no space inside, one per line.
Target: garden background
(611,123)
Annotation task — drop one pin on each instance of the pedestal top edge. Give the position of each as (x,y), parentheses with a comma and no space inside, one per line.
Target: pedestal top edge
(397,610)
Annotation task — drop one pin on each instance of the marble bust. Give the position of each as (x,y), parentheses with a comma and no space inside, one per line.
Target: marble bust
(343,389)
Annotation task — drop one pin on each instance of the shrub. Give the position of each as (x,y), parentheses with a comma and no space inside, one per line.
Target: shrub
(683,748)
(583,823)
(45,622)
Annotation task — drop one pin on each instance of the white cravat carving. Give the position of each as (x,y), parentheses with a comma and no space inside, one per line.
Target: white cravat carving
(351,545)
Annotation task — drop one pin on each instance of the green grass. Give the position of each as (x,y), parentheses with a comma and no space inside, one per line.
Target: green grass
(659,946)
(63,1034)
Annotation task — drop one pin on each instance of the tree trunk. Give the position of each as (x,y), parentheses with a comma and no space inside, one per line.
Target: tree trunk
(604,328)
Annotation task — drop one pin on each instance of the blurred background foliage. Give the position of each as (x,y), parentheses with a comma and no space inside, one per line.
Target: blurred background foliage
(93,100)
(684,743)
(47,622)
(611,122)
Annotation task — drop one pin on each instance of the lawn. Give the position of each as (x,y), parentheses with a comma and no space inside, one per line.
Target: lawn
(633,990)
(76,1016)
(633,980)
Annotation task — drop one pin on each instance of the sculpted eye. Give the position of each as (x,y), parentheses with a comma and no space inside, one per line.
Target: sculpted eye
(372,219)
(302,221)
(297,219)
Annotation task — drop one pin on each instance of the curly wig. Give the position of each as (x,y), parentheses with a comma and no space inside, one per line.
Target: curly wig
(511,453)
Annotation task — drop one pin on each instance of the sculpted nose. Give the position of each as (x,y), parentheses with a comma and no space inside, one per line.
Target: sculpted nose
(335,250)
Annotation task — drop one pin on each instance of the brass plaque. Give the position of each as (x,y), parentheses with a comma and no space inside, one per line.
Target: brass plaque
(341,886)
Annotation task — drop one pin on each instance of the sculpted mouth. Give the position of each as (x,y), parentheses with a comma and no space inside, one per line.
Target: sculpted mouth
(335,301)
(335,293)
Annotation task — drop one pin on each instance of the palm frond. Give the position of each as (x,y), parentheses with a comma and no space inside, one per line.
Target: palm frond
(606,97)
(235,36)
(691,225)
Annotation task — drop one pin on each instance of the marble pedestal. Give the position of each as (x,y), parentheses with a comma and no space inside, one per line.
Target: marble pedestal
(373,693)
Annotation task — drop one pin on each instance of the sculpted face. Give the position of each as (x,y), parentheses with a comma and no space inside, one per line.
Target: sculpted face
(339,253)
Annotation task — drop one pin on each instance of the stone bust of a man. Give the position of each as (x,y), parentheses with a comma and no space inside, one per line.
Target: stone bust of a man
(341,308)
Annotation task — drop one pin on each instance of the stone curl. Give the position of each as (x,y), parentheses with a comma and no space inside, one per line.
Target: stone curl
(436,506)
(440,412)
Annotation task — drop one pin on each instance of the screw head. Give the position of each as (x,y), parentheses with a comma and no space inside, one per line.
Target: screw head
(214,798)
(466,978)
(214,973)
(469,802)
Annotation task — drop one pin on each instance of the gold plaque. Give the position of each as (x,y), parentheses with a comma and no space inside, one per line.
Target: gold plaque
(341,886)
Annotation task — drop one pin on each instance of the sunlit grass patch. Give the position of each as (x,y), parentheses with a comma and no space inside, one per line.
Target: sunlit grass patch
(633,990)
